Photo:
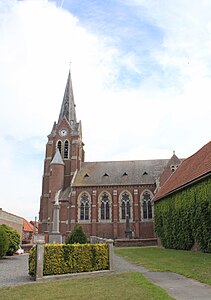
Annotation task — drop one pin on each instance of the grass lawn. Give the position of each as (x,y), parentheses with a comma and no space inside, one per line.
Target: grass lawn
(195,265)
(122,286)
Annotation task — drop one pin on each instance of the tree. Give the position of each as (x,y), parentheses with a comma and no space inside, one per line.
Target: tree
(4,242)
(14,239)
(77,235)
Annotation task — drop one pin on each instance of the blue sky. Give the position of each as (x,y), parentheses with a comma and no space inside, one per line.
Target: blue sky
(141,73)
(124,27)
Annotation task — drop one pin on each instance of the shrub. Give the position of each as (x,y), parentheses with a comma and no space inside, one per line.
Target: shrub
(14,239)
(32,261)
(77,235)
(74,258)
(4,241)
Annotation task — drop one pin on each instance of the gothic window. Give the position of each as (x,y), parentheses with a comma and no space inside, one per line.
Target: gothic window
(125,205)
(59,146)
(147,209)
(104,200)
(66,149)
(84,207)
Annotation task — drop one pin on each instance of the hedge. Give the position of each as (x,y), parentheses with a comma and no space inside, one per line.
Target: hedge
(184,218)
(75,258)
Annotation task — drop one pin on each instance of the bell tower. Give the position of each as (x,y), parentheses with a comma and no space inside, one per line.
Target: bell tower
(63,158)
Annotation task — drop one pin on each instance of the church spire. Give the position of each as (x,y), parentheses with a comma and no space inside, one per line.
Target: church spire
(68,105)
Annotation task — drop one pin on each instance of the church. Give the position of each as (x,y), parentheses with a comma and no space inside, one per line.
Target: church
(101,196)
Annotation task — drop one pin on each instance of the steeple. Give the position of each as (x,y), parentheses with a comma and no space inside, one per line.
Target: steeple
(68,105)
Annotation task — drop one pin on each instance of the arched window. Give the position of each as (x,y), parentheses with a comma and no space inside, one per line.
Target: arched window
(147,211)
(84,207)
(125,205)
(59,146)
(66,149)
(105,206)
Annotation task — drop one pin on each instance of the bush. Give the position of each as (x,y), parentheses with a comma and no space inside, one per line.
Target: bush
(77,235)
(4,241)
(14,239)
(32,261)
(75,258)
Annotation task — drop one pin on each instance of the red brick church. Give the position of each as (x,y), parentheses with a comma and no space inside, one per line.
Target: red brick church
(98,195)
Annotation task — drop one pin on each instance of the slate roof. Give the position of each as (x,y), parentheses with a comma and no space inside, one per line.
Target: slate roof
(191,169)
(119,172)
(68,104)
(57,158)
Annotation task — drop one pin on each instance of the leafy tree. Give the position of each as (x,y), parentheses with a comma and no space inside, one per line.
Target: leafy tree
(77,235)
(4,241)
(14,239)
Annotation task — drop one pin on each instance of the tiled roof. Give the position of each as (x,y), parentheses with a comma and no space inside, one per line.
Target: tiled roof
(191,169)
(119,172)
(27,226)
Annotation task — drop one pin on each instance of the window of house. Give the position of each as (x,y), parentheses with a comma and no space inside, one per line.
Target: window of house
(84,207)
(66,149)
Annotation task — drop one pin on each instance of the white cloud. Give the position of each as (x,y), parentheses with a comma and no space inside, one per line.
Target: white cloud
(37,42)
(168,108)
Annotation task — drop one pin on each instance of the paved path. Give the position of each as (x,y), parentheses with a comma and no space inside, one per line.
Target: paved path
(14,271)
(176,285)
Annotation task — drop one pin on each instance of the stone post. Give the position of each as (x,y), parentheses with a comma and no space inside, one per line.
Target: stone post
(55,236)
(110,255)
(39,256)
(55,226)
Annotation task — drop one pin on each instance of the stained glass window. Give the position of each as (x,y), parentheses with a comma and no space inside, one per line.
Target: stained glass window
(104,207)
(147,206)
(125,205)
(84,207)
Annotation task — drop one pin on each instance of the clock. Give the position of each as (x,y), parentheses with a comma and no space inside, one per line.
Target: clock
(63,132)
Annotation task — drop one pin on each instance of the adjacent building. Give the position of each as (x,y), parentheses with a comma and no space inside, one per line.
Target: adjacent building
(183,204)
(12,221)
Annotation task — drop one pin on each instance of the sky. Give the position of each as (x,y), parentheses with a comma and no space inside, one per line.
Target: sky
(141,74)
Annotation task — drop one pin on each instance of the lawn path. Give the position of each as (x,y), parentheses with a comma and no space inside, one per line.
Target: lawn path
(178,286)
(14,270)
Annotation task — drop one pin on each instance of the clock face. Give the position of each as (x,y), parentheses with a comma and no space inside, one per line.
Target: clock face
(63,132)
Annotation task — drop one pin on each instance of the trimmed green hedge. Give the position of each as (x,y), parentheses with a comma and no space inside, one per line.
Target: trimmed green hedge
(75,258)
(185,218)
